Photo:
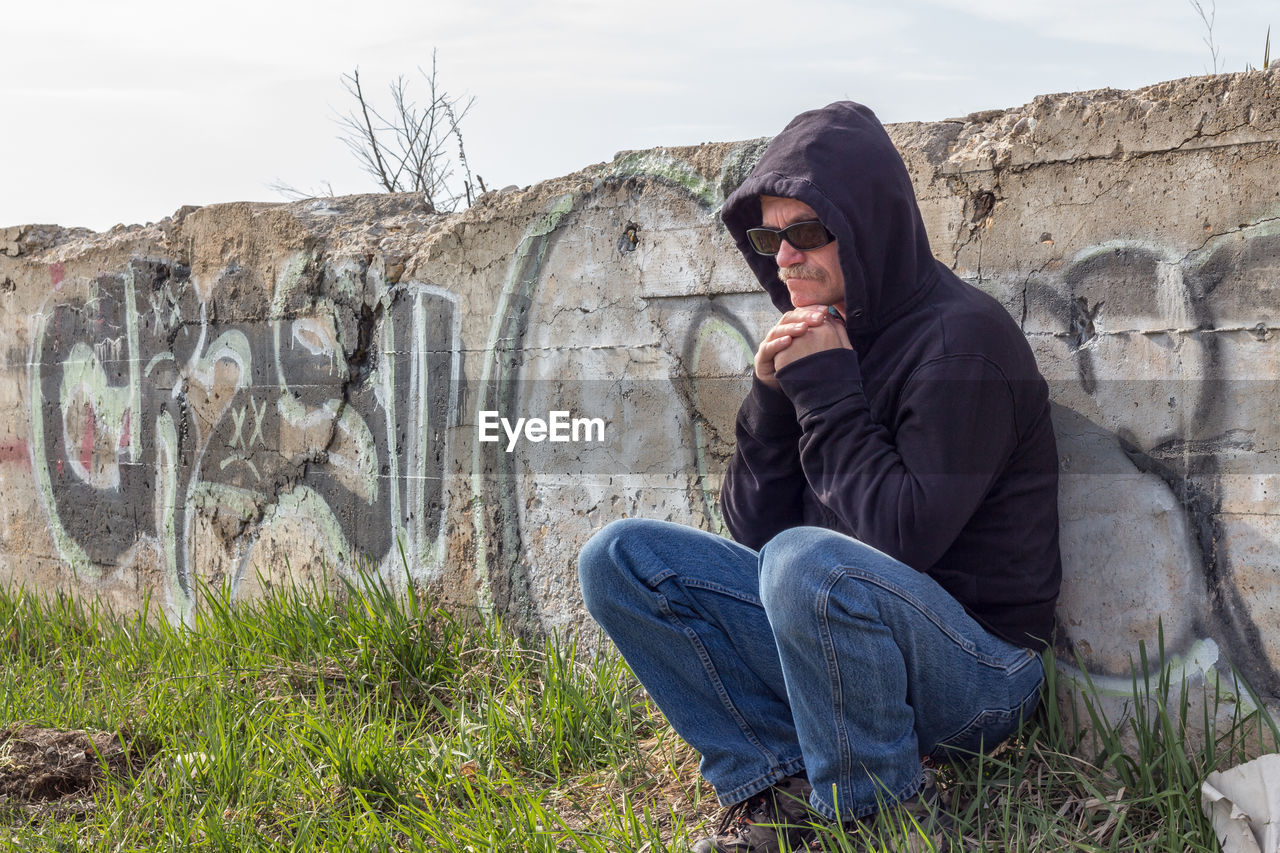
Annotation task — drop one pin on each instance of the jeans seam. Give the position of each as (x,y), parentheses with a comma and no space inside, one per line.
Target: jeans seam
(822,615)
(719,590)
(693,583)
(1024,661)
(986,714)
(822,612)
(890,798)
(709,670)
(941,625)
(790,767)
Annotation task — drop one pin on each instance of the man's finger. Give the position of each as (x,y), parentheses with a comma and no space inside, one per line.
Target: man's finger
(772,346)
(812,315)
(792,330)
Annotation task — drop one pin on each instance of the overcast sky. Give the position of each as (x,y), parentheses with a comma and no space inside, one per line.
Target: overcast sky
(124,111)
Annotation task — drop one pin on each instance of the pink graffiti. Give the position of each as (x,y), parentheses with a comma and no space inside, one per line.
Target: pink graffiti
(57,272)
(15,451)
(87,438)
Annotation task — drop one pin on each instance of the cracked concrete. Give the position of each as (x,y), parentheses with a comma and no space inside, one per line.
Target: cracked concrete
(257,395)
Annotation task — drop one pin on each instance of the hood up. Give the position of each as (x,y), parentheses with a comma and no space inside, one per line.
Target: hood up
(840,161)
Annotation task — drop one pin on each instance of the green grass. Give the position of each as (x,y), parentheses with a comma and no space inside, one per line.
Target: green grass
(357,721)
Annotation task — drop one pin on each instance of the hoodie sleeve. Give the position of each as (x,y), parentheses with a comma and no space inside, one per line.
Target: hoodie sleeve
(906,488)
(763,491)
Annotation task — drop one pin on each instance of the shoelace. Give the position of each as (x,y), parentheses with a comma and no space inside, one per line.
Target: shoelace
(738,816)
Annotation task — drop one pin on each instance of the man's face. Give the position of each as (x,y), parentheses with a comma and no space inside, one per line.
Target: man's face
(813,277)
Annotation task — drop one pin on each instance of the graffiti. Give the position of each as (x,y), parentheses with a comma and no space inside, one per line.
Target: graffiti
(15,452)
(497,492)
(152,414)
(515,501)
(1167,533)
(1172,388)
(171,414)
(718,348)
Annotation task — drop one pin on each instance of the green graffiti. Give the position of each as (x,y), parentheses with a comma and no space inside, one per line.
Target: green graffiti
(181,597)
(85,393)
(658,164)
(1195,668)
(215,441)
(288,280)
(710,327)
(519,286)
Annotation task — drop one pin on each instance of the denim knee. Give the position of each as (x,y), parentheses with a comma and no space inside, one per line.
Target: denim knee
(799,566)
(791,574)
(598,566)
(604,564)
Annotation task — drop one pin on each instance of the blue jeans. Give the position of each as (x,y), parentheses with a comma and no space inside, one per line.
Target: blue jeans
(819,654)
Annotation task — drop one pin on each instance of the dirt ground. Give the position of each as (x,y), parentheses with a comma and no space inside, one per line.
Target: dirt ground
(47,772)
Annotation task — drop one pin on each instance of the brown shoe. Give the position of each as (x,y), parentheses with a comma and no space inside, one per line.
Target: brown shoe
(775,820)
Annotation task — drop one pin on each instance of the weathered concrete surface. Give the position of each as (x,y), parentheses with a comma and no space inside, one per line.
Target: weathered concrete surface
(254,394)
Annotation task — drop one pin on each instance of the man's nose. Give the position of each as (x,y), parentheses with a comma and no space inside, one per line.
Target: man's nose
(788,255)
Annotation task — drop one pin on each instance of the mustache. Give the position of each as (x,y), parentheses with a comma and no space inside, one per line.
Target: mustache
(809,271)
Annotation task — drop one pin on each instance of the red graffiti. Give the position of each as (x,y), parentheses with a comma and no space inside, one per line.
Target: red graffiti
(88,437)
(15,452)
(57,272)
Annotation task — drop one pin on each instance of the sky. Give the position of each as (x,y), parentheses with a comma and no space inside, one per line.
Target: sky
(122,112)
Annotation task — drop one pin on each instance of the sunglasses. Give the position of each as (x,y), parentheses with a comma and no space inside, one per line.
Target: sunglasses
(803,236)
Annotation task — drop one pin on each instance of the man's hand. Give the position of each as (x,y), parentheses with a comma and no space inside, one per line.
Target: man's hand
(800,332)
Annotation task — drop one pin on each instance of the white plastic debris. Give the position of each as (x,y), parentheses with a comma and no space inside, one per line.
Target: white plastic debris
(1244,805)
(194,764)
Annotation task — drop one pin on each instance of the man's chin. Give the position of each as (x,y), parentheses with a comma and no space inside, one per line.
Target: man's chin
(804,300)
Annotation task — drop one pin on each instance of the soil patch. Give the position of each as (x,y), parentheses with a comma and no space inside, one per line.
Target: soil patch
(47,772)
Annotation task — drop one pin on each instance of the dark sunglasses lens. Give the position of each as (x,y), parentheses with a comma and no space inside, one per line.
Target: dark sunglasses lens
(764,241)
(807,235)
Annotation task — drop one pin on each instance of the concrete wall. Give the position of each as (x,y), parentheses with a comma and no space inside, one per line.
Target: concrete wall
(250,394)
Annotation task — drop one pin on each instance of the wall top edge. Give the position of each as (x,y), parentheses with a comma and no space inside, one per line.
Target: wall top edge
(1183,115)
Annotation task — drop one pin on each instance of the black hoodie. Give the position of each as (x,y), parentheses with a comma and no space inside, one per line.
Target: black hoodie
(930,440)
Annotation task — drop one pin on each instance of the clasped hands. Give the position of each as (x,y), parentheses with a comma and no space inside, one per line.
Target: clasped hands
(800,332)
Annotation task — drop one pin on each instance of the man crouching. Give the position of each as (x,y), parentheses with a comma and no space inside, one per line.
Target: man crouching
(893,497)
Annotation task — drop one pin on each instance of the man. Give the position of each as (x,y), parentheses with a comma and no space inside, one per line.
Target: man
(893,495)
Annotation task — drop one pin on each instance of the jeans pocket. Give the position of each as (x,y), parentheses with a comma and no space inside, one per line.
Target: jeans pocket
(982,733)
(986,730)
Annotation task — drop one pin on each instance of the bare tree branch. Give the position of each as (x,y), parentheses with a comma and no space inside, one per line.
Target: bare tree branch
(364,141)
(292,193)
(1208,19)
(410,151)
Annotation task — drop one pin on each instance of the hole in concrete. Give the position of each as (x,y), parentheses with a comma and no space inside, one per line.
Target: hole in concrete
(1081,326)
(630,238)
(983,203)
